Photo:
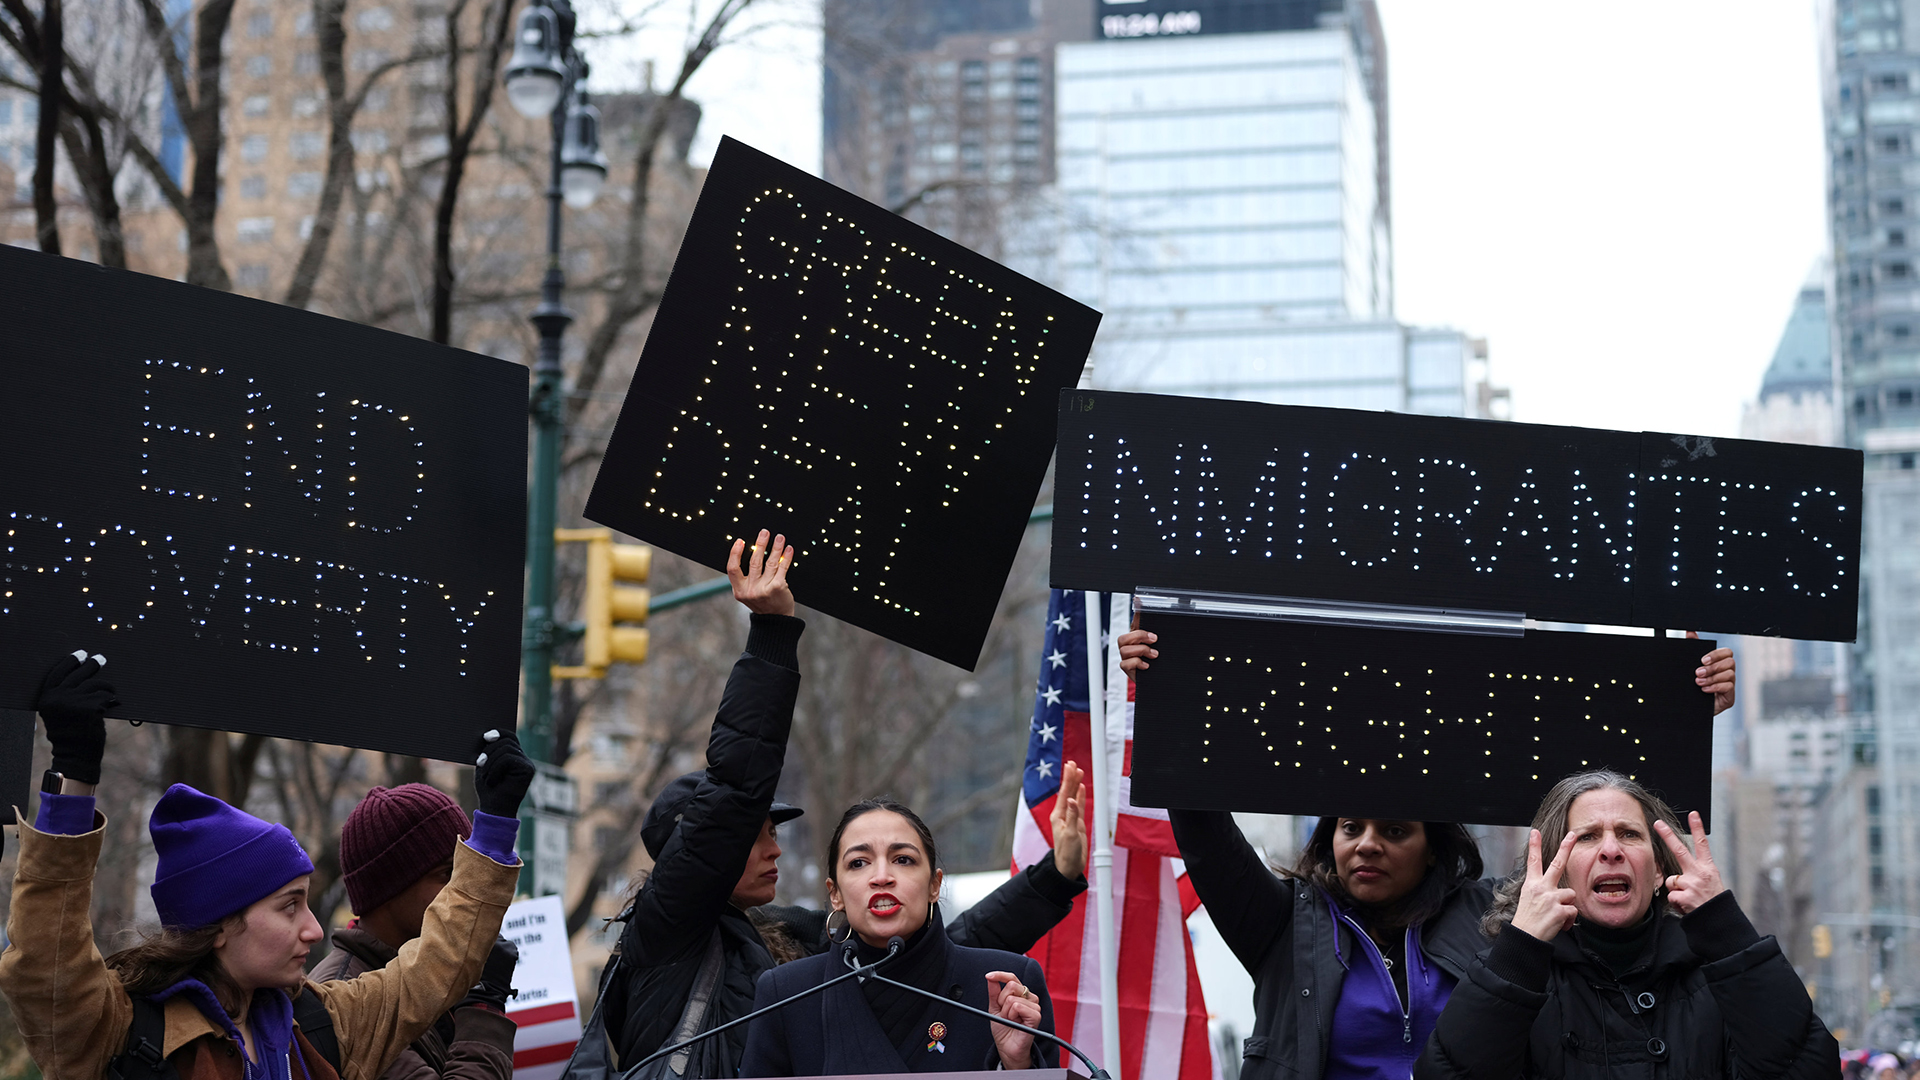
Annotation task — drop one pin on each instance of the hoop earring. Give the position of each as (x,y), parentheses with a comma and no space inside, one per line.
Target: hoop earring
(844,922)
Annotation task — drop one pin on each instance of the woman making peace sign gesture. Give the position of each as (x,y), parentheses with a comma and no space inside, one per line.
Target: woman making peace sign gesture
(1624,956)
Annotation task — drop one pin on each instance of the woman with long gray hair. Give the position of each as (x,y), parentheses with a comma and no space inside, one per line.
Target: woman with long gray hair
(1624,956)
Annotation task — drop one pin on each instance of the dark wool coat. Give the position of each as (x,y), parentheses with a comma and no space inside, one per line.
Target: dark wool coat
(1709,998)
(1284,936)
(834,1033)
(684,900)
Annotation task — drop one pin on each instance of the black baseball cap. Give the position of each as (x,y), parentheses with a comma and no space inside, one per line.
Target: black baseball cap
(671,805)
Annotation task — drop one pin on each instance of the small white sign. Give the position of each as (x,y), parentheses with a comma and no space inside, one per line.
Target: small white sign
(546,1007)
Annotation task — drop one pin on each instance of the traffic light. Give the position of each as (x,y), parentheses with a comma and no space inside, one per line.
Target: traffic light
(604,604)
(1822,941)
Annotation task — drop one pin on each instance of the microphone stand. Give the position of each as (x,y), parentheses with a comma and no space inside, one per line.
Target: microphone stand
(893,949)
(1098,1073)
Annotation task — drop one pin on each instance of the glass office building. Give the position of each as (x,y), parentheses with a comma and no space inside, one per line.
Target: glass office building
(1226,205)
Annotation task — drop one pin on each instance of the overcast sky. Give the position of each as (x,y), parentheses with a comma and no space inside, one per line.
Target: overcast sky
(1623,198)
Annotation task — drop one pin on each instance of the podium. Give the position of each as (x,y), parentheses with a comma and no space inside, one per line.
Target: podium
(1035,1074)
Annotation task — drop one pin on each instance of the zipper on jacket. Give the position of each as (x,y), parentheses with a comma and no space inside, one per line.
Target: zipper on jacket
(1406,1012)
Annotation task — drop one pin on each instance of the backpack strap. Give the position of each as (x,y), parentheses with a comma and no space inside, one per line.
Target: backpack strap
(316,1023)
(696,1011)
(144,1057)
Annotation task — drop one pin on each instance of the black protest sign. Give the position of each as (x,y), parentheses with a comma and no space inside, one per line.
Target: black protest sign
(268,520)
(1286,718)
(1561,524)
(826,369)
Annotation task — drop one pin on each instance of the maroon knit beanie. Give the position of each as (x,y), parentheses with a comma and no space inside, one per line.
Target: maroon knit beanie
(393,838)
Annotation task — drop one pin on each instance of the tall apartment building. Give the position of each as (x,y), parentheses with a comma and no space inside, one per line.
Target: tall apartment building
(943,109)
(1870,68)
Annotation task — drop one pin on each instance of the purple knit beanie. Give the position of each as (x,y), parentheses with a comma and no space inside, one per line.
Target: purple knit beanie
(214,859)
(393,838)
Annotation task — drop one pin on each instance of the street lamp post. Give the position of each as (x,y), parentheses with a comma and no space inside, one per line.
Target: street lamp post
(546,77)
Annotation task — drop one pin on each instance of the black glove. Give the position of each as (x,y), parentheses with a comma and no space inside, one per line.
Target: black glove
(496,979)
(502,774)
(73,705)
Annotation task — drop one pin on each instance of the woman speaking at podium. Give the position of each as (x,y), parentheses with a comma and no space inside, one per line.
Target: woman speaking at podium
(883,880)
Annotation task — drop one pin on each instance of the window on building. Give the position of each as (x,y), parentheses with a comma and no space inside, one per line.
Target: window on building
(260,66)
(973,80)
(1877,877)
(1894,207)
(253,277)
(255,230)
(306,106)
(30,111)
(1873,800)
(1899,331)
(253,149)
(303,24)
(1899,270)
(1903,398)
(306,63)
(253,187)
(260,24)
(1896,238)
(376,100)
(1906,461)
(304,183)
(306,144)
(1890,82)
(1890,144)
(6,113)
(370,142)
(367,59)
(373,18)
(256,105)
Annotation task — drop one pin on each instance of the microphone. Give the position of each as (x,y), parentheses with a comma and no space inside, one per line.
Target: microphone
(893,949)
(1097,1073)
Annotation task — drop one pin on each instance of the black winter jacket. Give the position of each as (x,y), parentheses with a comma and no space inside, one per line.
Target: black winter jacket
(1283,935)
(685,898)
(1710,998)
(837,1034)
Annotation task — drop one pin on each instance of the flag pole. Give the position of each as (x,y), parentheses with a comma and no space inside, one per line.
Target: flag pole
(1103,817)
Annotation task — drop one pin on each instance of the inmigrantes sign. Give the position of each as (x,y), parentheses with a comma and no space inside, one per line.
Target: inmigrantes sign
(1561,524)
(268,520)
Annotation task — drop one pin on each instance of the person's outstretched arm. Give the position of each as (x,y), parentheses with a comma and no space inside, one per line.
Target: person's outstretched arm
(1015,916)
(702,860)
(73,1013)
(378,1014)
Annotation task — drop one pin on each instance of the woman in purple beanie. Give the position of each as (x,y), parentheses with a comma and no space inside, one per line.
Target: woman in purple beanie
(216,987)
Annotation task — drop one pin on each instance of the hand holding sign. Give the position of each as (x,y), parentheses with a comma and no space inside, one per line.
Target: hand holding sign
(73,704)
(1546,906)
(1715,676)
(1699,879)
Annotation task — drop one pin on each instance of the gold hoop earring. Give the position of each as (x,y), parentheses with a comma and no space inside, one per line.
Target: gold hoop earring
(845,923)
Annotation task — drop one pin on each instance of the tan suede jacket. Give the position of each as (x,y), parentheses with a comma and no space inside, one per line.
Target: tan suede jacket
(74,1013)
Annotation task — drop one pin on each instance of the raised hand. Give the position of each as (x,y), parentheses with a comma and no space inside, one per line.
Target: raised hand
(1545,907)
(1699,879)
(1007,997)
(1136,648)
(762,586)
(1069,821)
(1715,676)
(502,773)
(73,702)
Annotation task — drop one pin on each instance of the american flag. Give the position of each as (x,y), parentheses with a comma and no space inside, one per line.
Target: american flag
(1163,1016)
